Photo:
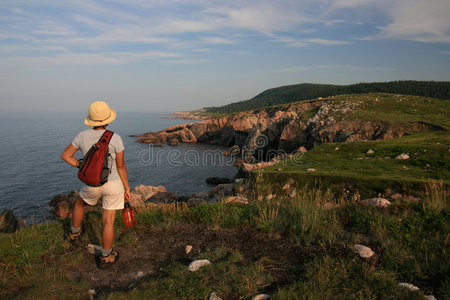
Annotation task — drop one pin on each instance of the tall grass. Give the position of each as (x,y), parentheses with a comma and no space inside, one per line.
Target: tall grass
(436,196)
(306,217)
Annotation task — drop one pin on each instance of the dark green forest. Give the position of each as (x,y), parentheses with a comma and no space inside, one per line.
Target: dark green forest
(306,91)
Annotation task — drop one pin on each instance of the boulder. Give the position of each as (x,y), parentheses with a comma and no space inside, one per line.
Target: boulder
(409,286)
(63,205)
(141,193)
(162,198)
(173,142)
(236,199)
(261,297)
(9,223)
(220,191)
(302,149)
(197,264)
(363,251)
(217,180)
(214,296)
(402,156)
(370,151)
(377,202)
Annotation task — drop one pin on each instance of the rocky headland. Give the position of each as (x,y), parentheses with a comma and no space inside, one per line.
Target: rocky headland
(285,129)
(187,115)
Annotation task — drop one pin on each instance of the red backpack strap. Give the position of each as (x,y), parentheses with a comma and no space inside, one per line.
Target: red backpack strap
(106,137)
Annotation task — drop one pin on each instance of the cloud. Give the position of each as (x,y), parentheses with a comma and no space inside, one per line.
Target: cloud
(265,18)
(293,42)
(106,58)
(184,61)
(217,41)
(415,20)
(325,42)
(348,68)
(202,50)
(101,30)
(423,21)
(340,4)
(14,48)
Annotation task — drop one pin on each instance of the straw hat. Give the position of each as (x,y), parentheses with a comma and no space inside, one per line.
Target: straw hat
(100,114)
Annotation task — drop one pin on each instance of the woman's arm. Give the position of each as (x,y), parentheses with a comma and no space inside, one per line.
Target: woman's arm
(122,170)
(68,157)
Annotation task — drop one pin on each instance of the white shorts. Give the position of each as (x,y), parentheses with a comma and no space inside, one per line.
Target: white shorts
(112,194)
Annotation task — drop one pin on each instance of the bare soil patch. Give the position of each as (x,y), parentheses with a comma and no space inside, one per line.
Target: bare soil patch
(154,247)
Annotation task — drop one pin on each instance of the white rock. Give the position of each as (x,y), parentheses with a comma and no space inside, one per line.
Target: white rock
(310,170)
(370,151)
(270,196)
(377,202)
(91,294)
(261,297)
(94,249)
(363,251)
(429,297)
(197,264)
(402,156)
(236,199)
(336,149)
(214,296)
(409,286)
(188,249)
(139,274)
(293,193)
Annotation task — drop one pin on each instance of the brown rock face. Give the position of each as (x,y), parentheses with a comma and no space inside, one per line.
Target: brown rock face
(283,129)
(141,193)
(9,223)
(63,205)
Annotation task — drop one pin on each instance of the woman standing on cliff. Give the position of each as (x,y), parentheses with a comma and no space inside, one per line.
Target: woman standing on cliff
(113,193)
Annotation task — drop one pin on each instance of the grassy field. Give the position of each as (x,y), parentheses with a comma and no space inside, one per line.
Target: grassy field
(429,151)
(299,247)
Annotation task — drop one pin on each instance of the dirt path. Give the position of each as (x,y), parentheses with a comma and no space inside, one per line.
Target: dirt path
(153,247)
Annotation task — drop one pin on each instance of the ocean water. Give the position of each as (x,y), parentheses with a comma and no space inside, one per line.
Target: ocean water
(32,172)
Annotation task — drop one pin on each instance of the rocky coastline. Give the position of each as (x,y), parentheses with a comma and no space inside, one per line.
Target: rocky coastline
(187,115)
(265,133)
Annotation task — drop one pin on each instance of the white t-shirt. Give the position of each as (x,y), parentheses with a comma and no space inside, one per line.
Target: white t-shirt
(85,139)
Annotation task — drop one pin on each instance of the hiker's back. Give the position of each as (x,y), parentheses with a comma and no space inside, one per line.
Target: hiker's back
(86,138)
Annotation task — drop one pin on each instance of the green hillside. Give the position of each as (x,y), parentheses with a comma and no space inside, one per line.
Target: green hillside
(304,91)
(373,172)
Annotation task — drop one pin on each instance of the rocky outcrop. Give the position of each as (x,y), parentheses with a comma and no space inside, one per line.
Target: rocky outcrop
(62,205)
(141,193)
(217,180)
(144,197)
(187,115)
(9,223)
(261,134)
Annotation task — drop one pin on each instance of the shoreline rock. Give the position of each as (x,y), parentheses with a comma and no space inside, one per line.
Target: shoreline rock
(144,197)
(9,223)
(186,115)
(264,133)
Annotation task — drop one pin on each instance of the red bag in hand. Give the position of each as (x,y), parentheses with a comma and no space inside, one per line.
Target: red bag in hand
(94,170)
(128,215)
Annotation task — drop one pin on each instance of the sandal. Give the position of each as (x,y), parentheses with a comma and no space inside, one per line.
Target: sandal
(106,261)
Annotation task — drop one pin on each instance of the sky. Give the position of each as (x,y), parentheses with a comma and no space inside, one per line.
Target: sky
(173,55)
